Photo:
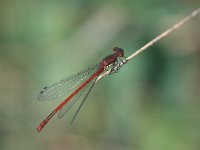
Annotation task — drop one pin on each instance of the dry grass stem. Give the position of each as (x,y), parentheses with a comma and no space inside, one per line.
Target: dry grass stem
(156,39)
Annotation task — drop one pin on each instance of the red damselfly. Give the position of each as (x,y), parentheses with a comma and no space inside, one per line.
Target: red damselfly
(78,82)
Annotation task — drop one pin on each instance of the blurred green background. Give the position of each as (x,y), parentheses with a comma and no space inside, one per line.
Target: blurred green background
(151,104)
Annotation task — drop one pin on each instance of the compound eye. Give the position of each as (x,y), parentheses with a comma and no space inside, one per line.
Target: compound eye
(118,51)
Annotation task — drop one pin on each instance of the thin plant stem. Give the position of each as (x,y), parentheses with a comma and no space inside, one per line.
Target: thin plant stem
(165,33)
(156,39)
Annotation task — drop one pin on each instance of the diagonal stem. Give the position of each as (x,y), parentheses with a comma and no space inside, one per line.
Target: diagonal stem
(165,33)
(156,39)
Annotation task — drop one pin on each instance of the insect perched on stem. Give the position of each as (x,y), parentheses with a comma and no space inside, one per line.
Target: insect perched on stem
(78,84)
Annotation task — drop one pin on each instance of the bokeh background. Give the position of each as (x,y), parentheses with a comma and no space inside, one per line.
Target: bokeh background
(151,104)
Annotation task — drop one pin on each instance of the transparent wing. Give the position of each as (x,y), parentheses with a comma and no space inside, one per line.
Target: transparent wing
(71,103)
(64,86)
(80,106)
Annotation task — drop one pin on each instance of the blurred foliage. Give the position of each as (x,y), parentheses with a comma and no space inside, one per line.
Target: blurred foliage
(151,104)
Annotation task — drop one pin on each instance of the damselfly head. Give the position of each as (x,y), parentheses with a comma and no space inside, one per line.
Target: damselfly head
(118,51)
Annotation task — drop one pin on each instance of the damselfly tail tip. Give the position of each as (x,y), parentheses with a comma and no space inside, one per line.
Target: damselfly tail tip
(39,128)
